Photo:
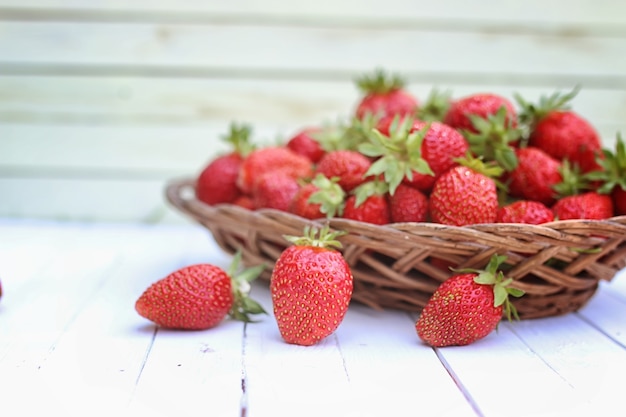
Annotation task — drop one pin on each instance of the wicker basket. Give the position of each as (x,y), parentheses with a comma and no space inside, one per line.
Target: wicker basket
(397,266)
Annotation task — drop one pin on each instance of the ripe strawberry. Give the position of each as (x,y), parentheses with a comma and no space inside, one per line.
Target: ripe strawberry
(561,132)
(349,166)
(535,176)
(481,105)
(612,175)
(217,183)
(368,203)
(464,195)
(199,297)
(384,96)
(304,143)
(589,205)
(440,148)
(525,211)
(408,204)
(274,190)
(268,159)
(311,287)
(320,198)
(467,307)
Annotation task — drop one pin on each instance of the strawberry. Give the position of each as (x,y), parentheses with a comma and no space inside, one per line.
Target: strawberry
(612,175)
(368,203)
(320,198)
(467,306)
(589,205)
(217,183)
(274,190)
(408,204)
(464,195)
(268,159)
(305,143)
(384,95)
(525,211)
(349,166)
(561,132)
(0,290)
(311,287)
(200,296)
(481,105)
(535,176)
(440,147)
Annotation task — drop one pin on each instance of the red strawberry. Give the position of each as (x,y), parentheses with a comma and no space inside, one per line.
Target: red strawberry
(561,132)
(368,203)
(217,183)
(440,147)
(535,176)
(525,211)
(274,190)
(268,159)
(612,175)
(199,297)
(304,143)
(589,205)
(481,105)
(408,204)
(320,198)
(384,96)
(467,307)
(349,166)
(463,196)
(311,287)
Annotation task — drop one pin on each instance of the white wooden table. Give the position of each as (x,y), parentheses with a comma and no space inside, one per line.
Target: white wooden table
(71,343)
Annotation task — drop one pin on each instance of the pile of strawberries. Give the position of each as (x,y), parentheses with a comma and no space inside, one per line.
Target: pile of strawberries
(474,159)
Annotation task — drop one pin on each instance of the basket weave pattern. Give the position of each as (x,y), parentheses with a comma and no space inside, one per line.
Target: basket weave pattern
(558,264)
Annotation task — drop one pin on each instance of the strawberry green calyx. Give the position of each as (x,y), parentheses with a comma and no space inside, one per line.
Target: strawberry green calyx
(399,154)
(573,180)
(379,82)
(531,113)
(493,275)
(238,137)
(322,237)
(243,306)
(330,196)
(368,189)
(613,168)
(494,138)
(435,107)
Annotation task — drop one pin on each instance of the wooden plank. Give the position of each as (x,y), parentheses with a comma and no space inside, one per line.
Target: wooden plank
(483,370)
(181,47)
(103,100)
(386,345)
(85,199)
(576,11)
(590,362)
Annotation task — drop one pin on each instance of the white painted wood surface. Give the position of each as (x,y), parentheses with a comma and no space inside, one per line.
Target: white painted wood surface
(71,344)
(103,101)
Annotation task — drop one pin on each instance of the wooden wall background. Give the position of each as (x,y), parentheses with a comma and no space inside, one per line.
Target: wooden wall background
(102,102)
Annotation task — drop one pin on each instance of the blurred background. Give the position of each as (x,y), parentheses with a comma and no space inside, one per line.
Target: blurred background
(102,102)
